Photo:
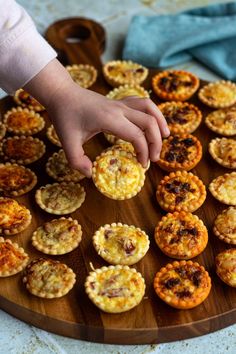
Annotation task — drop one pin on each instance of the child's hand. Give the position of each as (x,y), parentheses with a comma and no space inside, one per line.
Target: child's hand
(79,114)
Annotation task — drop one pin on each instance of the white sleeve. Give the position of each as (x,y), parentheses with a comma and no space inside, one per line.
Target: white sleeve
(23,51)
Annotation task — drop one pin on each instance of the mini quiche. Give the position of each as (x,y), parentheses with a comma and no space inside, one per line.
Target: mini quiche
(3,130)
(14,217)
(223,188)
(181,117)
(121,72)
(175,85)
(118,174)
(115,289)
(218,94)
(127,90)
(121,243)
(47,278)
(58,236)
(16,180)
(225,226)
(52,136)
(13,258)
(58,168)
(180,152)
(21,121)
(83,75)
(181,235)
(222,121)
(60,198)
(226,266)
(24,99)
(22,149)
(223,151)
(181,190)
(182,284)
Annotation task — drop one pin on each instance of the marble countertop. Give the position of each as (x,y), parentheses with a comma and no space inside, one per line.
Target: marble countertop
(17,337)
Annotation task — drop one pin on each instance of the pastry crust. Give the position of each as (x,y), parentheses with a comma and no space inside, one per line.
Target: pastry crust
(22,149)
(113,139)
(126,91)
(225,226)
(14,217)
(222,121)
(16,180)
(115,289)
(181,235)
(83,74)
(218,94)
(181,117)
(121,72)
(22,121)
(13,258)
(3,130)
(118,174)
(223,188)
(24,99)
(183,284)
(47,278)
(58,236)
(120,243)
(60,198)
(52,136)
(175,85)
(226,266)
(58,168)
(223,151)
(180,152)
(181,191)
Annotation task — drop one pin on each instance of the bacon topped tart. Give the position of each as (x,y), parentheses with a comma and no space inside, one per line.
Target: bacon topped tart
(24,99)
(83,75)
(218,94)
(115,289)
(16,180)
(226,266)
(183,284)
(13,258)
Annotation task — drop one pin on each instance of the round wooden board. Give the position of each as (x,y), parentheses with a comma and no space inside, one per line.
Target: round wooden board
(152,321)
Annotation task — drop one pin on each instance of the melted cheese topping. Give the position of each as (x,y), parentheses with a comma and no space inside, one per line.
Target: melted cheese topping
(23,121)
(125,71)
(13,178)
(226,266)
(22,148)
(11,257)
(61,170)
(12,214)
(225,149)
(124,91)
(226,223)
(225,187)
(223,120)
(220,93)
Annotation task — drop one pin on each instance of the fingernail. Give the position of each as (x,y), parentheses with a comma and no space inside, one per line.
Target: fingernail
(166,131)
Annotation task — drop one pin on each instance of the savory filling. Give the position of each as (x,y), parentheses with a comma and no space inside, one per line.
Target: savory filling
(179,150)
(180,191)
(175,82)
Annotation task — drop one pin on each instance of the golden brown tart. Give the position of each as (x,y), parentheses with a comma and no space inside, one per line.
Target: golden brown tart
(181,235)
(183,284)
(127,90)
(52,136)
(83,74)
(223,188)
(218,94)
(24,99)
(3,130)
(226,266)
(181,190)
(225,226)
(222,121)
(180,152)
(175,85)
(223,151)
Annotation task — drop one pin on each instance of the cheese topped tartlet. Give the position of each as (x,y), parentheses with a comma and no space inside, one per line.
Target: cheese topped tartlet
(52,136)
(14,217)
(126,91)
(181,190)
(21,121)
(60,198)
(225,226)
(175,85)
(222,121)
(3,130)
(223,151)
(223,188)
(181,117)
(118,174)
(121,72)
(13,258)
(22,149)
(115,289)
(58,236)
(218,94)
(24,99)
(58,168)
(183,284)
(180,152)
(121,243)
(226,266)
(181,235)
(16,180)
(47,278)
(83,75)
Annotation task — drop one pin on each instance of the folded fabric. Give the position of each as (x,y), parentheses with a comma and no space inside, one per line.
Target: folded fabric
(207,34)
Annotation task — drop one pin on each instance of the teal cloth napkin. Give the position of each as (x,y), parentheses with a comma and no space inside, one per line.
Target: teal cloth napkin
(207,34)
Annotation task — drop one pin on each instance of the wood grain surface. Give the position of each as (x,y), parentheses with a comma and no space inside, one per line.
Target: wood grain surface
(74,315)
